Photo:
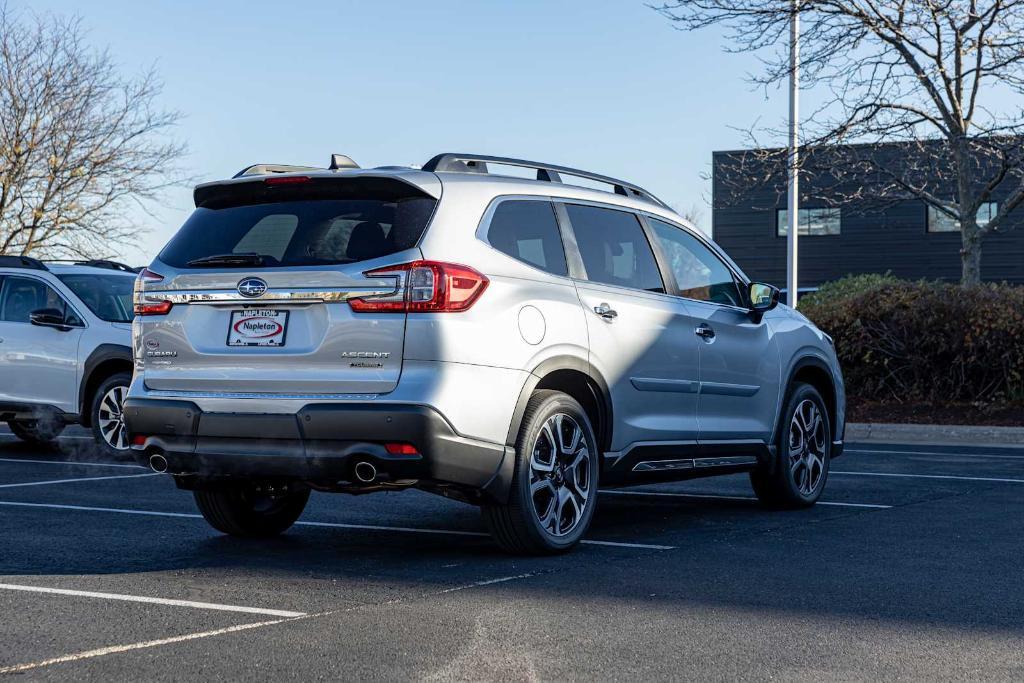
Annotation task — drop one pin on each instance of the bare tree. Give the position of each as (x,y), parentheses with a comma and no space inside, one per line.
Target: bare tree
(918,72)
(79,144)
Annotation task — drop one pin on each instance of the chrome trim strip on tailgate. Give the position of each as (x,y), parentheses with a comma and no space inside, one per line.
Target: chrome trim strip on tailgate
(295,295)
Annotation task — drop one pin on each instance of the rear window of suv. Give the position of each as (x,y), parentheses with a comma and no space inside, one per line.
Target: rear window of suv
(300,233)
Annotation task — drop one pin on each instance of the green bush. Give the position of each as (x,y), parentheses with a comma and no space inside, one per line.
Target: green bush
(924,341)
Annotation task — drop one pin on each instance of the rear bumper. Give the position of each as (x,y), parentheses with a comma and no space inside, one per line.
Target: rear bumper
(320,442)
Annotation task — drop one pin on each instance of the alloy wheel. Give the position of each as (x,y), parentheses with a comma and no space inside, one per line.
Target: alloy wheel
(111,418)
(560,475)
(807,444)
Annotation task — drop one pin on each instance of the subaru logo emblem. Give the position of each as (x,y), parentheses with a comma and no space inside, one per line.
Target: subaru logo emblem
(252,287)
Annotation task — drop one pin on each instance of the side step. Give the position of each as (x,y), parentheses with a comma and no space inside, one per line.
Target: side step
(694,463)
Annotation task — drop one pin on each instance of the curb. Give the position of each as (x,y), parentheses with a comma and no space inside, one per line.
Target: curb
(934,434)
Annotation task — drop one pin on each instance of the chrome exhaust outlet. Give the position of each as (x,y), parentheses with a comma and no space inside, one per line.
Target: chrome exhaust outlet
(158,463)
(365,472)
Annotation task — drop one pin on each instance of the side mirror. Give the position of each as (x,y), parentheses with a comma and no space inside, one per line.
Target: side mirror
(763,298)
(49,317)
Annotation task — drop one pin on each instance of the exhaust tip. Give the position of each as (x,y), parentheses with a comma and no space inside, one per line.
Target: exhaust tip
(158,463)
(365,472)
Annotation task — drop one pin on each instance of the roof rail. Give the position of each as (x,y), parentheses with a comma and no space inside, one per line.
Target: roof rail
(338,162)
(96,263)
(22,262)
(477,163)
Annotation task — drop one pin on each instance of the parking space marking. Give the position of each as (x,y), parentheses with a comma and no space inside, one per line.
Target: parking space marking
(71,463)
(115,649)
(334,525)
(928,476)
(154,601)
(711,496)
(75,438)
(78,479)
(865,451)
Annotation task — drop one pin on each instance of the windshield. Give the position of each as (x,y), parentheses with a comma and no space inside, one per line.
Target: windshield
(298,233)
(109,297)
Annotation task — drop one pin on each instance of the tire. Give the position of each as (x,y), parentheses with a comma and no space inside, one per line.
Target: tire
(554,487)
(40,432)
(801,464)
(107,415)
(246,510)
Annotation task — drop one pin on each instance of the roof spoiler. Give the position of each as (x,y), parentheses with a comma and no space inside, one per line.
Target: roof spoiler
(451,162)
(338,162)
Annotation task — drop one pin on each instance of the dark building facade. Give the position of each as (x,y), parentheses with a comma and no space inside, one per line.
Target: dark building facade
(903,237)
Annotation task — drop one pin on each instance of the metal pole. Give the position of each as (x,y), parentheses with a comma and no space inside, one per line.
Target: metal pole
(793,205)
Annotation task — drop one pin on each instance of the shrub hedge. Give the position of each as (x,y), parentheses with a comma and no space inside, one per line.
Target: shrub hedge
(924,341)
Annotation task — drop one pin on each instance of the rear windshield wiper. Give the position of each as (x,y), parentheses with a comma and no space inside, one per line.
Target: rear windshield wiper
(229,260)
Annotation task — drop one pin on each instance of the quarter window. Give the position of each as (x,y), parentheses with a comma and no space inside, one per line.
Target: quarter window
(942,222)
(614,248)
(528,231)
(699,273)
(810,222)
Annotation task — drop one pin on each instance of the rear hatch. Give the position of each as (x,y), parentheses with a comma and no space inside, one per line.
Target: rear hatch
(253,294)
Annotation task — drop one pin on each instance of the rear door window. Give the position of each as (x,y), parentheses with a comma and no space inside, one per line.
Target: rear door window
(614,249)
(528,231)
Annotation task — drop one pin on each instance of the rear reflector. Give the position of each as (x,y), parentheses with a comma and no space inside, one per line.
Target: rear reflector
(426,286)
(287,180)
(154,308)
(139,440)
(401,449)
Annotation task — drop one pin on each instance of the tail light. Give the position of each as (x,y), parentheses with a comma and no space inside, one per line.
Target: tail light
(152,307)
(143,307)
(425,287)
(399,448)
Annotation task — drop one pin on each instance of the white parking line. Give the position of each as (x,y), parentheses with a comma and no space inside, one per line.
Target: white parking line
(928,476)
(71,463)
(871,506)
(152,601)
(78,479)
(114,649)
(335,525)
(860,451)
(75,438)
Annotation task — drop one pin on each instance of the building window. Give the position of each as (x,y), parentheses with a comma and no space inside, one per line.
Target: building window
(943,222)
(810,222)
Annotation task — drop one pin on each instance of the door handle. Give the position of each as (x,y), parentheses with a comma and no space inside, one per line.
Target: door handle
(606,312)
(705,332)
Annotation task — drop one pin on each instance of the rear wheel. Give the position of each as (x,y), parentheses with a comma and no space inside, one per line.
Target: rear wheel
(41,432)
(250,509)
(554,489)
(107,414)
(802,453)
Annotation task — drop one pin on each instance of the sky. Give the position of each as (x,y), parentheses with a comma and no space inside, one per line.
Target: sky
(604,85)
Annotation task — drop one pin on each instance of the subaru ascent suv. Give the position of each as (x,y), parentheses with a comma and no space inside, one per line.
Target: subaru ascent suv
(65,348)
(507,333)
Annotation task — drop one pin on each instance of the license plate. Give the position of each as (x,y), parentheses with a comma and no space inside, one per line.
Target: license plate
(257,327)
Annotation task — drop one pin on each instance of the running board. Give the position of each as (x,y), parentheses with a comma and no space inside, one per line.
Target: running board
(694,463)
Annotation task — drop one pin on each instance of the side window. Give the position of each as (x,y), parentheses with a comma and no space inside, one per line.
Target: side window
(699,273)
(528,231)
(21,295)
(614,248)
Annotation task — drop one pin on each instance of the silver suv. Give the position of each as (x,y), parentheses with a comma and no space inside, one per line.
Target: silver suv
(512,342)
(65,348)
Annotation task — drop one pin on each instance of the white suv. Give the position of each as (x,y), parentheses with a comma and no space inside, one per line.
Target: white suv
(511,342)
(65,354)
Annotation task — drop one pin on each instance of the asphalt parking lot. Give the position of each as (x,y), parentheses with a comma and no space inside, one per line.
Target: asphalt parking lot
(911,569)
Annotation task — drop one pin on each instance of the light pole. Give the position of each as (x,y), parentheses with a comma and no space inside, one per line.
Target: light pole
(793,204)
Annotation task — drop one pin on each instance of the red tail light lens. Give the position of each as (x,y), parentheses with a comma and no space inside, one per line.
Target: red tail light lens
(148,275)
(426,287)
(287,180)
(401,449)
(153,308)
